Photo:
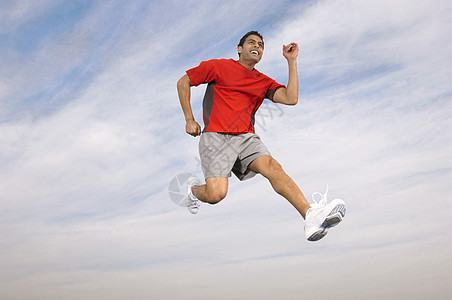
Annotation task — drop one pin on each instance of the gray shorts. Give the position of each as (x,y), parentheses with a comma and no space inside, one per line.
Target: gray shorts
(222,153)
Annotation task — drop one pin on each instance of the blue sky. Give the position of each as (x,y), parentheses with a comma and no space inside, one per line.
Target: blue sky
(91,134)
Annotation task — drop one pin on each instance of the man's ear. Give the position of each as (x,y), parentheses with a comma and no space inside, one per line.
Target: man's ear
(239,50)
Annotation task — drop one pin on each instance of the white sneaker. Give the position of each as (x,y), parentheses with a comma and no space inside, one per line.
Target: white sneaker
(322,216)
(192,202)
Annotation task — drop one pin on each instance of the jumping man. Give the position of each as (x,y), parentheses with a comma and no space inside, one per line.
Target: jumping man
(228,142)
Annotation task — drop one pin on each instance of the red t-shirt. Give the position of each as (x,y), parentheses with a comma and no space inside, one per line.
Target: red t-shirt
(233,94)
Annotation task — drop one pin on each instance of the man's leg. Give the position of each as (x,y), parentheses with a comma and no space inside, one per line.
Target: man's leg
(213,191)
(281,182)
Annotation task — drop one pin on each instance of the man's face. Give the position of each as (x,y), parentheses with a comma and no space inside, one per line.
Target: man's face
(252,49)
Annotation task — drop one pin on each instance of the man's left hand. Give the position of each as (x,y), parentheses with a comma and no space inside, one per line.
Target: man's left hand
(290,51)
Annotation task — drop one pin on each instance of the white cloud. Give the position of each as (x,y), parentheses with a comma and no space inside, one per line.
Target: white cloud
(16,13)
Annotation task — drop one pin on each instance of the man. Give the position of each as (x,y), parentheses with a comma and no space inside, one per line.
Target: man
(228,143)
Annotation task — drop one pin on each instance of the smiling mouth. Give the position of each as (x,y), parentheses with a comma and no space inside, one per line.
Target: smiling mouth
(255,52)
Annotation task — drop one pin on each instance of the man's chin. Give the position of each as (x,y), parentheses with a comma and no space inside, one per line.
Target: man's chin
(256,59)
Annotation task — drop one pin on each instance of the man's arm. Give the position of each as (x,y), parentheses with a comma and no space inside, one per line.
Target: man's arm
(183,89)
(289,95)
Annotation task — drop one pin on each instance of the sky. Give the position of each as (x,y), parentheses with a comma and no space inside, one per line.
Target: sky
(92,133)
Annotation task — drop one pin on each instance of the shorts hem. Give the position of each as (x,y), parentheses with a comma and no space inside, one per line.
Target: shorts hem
(217,176)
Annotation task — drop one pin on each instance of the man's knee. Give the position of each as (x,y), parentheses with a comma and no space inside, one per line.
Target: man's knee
(217,188)
(273,165)
(216,196)
(269,166)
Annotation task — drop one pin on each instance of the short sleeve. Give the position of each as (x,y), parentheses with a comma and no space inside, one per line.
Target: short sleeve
(204,73)
(272,89)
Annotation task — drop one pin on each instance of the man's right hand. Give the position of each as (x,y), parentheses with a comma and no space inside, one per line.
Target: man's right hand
(192,128)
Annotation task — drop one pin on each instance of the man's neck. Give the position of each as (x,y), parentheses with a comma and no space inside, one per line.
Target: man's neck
(247,64)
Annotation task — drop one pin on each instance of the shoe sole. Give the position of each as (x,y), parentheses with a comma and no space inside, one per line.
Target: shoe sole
(193,211)
(334,218)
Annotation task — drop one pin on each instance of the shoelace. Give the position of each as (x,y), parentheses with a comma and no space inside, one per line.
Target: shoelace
(323,199)
(194,204)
